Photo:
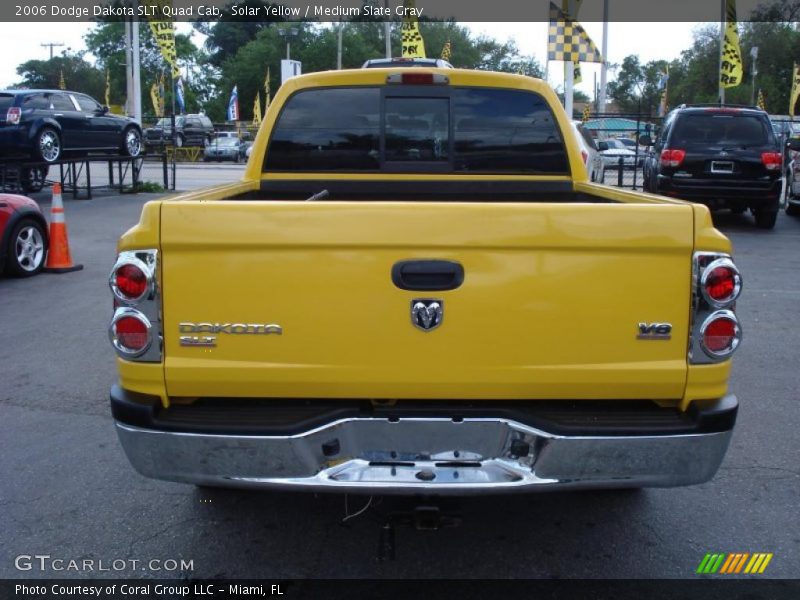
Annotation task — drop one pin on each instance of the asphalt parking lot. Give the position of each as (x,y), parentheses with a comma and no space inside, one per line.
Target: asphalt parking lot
(68,491)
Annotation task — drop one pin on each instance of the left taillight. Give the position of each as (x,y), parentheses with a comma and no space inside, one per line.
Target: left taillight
(135,329)
(715,331)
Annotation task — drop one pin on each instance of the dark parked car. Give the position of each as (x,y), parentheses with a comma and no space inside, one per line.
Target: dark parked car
(190,130)
(48,124)
(721,156)
(225,148)
(23,236)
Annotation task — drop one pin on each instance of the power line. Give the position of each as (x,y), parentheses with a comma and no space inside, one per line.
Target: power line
(51,45)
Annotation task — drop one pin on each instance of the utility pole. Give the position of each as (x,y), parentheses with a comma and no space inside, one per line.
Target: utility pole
(387,31)
(137,80)
(754,55)
(51,45)
(339,46)
(601,102)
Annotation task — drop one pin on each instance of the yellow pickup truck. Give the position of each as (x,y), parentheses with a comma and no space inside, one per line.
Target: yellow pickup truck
(415,289)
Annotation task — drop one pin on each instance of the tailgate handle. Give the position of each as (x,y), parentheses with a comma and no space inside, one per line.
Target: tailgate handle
(427,275)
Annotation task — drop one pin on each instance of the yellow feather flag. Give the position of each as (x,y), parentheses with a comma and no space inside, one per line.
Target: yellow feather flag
(266,92)
(576,72)
(164,33)
(761,103)
(730,72)
(795,95)
(587,111)
(411,39)
(155,99)
(257,110)
(108,89)
(62,84)
(446,51)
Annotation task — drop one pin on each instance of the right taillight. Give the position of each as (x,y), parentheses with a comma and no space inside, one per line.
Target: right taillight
(720,334)
(135,330)
(715,331)
(671,157)
(13,115)
(772,161)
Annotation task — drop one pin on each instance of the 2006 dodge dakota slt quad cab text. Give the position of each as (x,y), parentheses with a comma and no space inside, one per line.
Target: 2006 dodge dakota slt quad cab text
(457,309)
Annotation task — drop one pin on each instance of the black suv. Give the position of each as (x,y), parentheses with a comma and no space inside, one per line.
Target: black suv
(46,124)
(190,130)
(720,156)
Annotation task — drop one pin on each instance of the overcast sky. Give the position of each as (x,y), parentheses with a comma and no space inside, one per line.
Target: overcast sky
(22,41)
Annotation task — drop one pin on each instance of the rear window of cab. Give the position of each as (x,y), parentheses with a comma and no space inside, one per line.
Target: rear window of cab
(417,129)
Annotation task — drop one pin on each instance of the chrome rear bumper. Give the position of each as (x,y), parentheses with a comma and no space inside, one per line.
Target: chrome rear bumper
(424,456)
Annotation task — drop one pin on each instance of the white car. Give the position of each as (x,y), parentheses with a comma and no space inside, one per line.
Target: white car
(612,150)
(591,157)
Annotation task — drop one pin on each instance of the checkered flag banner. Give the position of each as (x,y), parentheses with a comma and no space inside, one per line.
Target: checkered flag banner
(730,72)
(587,112)
(761,103)
(411,39)
(446,51)
(567,40)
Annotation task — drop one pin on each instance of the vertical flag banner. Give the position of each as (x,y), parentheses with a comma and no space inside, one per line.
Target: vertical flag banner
(257,110)
(586,112)
(155,99)
(162,97)
(266,92)
(663,86)
(108,89)
(446,51)
(233,105)
(164,33)
(761,103)
(411,39)
(730,72)
(179,95)
(568,41)
(62,84)
(795,95)
(577,77)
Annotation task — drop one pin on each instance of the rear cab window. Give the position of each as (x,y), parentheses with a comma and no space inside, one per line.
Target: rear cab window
(417,129)
(722,128)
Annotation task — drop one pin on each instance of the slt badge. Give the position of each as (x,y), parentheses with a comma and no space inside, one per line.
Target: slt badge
(427,313)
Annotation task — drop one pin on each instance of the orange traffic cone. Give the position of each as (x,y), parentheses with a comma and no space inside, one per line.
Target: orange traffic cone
(59,259)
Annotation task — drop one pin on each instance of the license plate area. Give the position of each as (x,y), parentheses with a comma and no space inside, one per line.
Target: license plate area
(722,166)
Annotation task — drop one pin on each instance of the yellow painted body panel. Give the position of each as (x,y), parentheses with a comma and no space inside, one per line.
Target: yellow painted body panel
(549,308)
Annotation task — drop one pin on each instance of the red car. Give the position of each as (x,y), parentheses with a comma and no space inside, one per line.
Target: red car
(23,236)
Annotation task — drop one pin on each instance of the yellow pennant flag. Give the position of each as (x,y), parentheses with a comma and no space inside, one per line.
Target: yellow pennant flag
(154,98)
(411,39)
(730,72)
(795,95)
(164,33)
(761,103)
(257,110)
(587,112)
(576,72)
(62,84)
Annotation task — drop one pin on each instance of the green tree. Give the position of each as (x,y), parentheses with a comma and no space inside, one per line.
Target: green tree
(107,42)
(635,88)
(79,75)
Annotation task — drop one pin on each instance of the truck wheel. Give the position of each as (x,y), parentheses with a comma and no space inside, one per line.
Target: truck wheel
(27,248)
(765,217)
(48,145)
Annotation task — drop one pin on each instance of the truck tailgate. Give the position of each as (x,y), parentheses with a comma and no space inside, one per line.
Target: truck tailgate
(550,305)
